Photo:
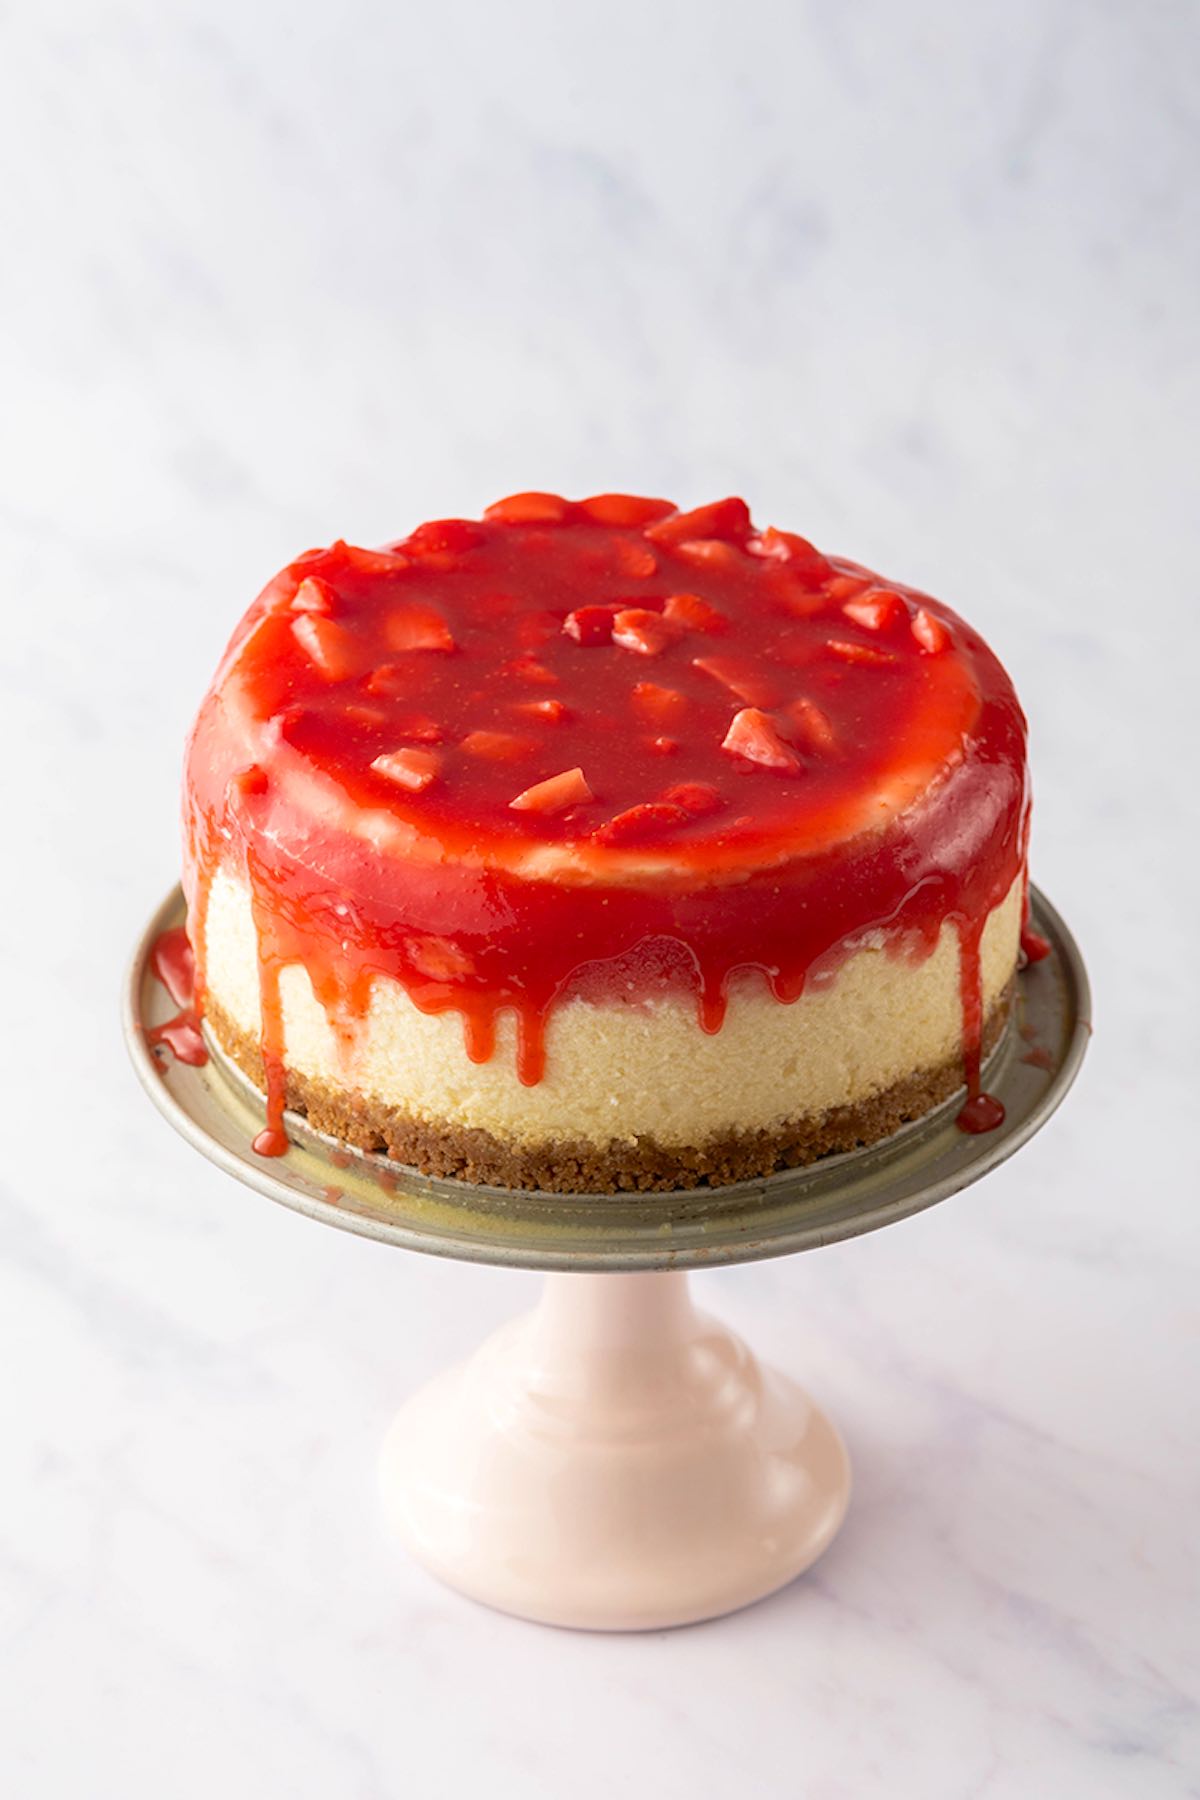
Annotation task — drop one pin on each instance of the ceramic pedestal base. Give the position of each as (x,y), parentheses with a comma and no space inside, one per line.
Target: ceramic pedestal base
(615,1460)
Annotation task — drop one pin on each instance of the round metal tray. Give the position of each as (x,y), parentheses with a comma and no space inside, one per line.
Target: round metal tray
(218,1112)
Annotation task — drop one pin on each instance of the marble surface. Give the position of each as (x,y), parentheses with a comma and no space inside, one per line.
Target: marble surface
(923,283)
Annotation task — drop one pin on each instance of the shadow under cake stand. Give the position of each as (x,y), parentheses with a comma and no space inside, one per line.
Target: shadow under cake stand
(616,1459)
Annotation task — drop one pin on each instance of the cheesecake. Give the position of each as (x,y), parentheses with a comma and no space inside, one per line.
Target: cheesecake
(599,846)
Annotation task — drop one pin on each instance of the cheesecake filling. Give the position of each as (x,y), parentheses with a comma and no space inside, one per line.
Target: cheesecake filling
(624,1066)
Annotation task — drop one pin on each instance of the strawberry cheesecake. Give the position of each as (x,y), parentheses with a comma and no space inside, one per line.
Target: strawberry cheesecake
(597,846)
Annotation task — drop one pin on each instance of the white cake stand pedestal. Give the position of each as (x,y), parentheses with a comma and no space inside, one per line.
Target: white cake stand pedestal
(617,1460)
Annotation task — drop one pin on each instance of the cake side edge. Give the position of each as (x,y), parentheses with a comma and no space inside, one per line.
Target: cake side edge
(644,1166)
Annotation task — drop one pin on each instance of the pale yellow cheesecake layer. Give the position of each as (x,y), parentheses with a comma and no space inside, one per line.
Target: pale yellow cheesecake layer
(623,1071)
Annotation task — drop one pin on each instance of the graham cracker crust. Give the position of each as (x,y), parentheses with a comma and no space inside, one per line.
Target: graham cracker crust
(573,1168)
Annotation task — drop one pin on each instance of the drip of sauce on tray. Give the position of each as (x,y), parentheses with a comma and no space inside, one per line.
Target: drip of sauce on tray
(172,964)
(981,1112)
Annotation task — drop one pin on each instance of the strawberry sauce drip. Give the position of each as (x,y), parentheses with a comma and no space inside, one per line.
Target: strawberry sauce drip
(982,1112)
(173,965)
(1034,947)
(600,748)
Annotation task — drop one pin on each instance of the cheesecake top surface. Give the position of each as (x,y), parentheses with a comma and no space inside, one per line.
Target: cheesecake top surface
(608,690)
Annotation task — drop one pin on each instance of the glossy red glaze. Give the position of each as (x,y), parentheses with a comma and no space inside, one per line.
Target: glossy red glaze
(810,705)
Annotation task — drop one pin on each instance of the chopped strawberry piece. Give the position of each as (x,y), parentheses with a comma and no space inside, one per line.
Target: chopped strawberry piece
(315,596)
(664,746)
(649,633)
(527,509)
(635,560)
(803,558)
(699,798)
(308,556)
(341,558)
(742,678)
(327,644)
(776,543)
(755,736)
(657,705)
(929,632)
(640,824)
(555,794)
(438,536)
(409,768)
(625,509)
(801,600)
(391,679)
(357,712)
(496,746)
(552,712)
(369,562)
(845,587)
(416,626)
(858,653)
(814,724)
(695,614)
(729,519)
(708,553)
(591,625)
(528,668)
(876,609)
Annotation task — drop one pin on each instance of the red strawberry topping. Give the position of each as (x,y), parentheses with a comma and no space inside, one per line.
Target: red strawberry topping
(754,736)
(649,633)
(409,768)
(555,794)
(929,631)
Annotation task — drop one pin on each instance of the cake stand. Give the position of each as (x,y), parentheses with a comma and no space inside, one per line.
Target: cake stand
(616,1459)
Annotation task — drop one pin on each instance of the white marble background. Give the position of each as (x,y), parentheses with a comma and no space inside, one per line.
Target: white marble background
(923,282)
